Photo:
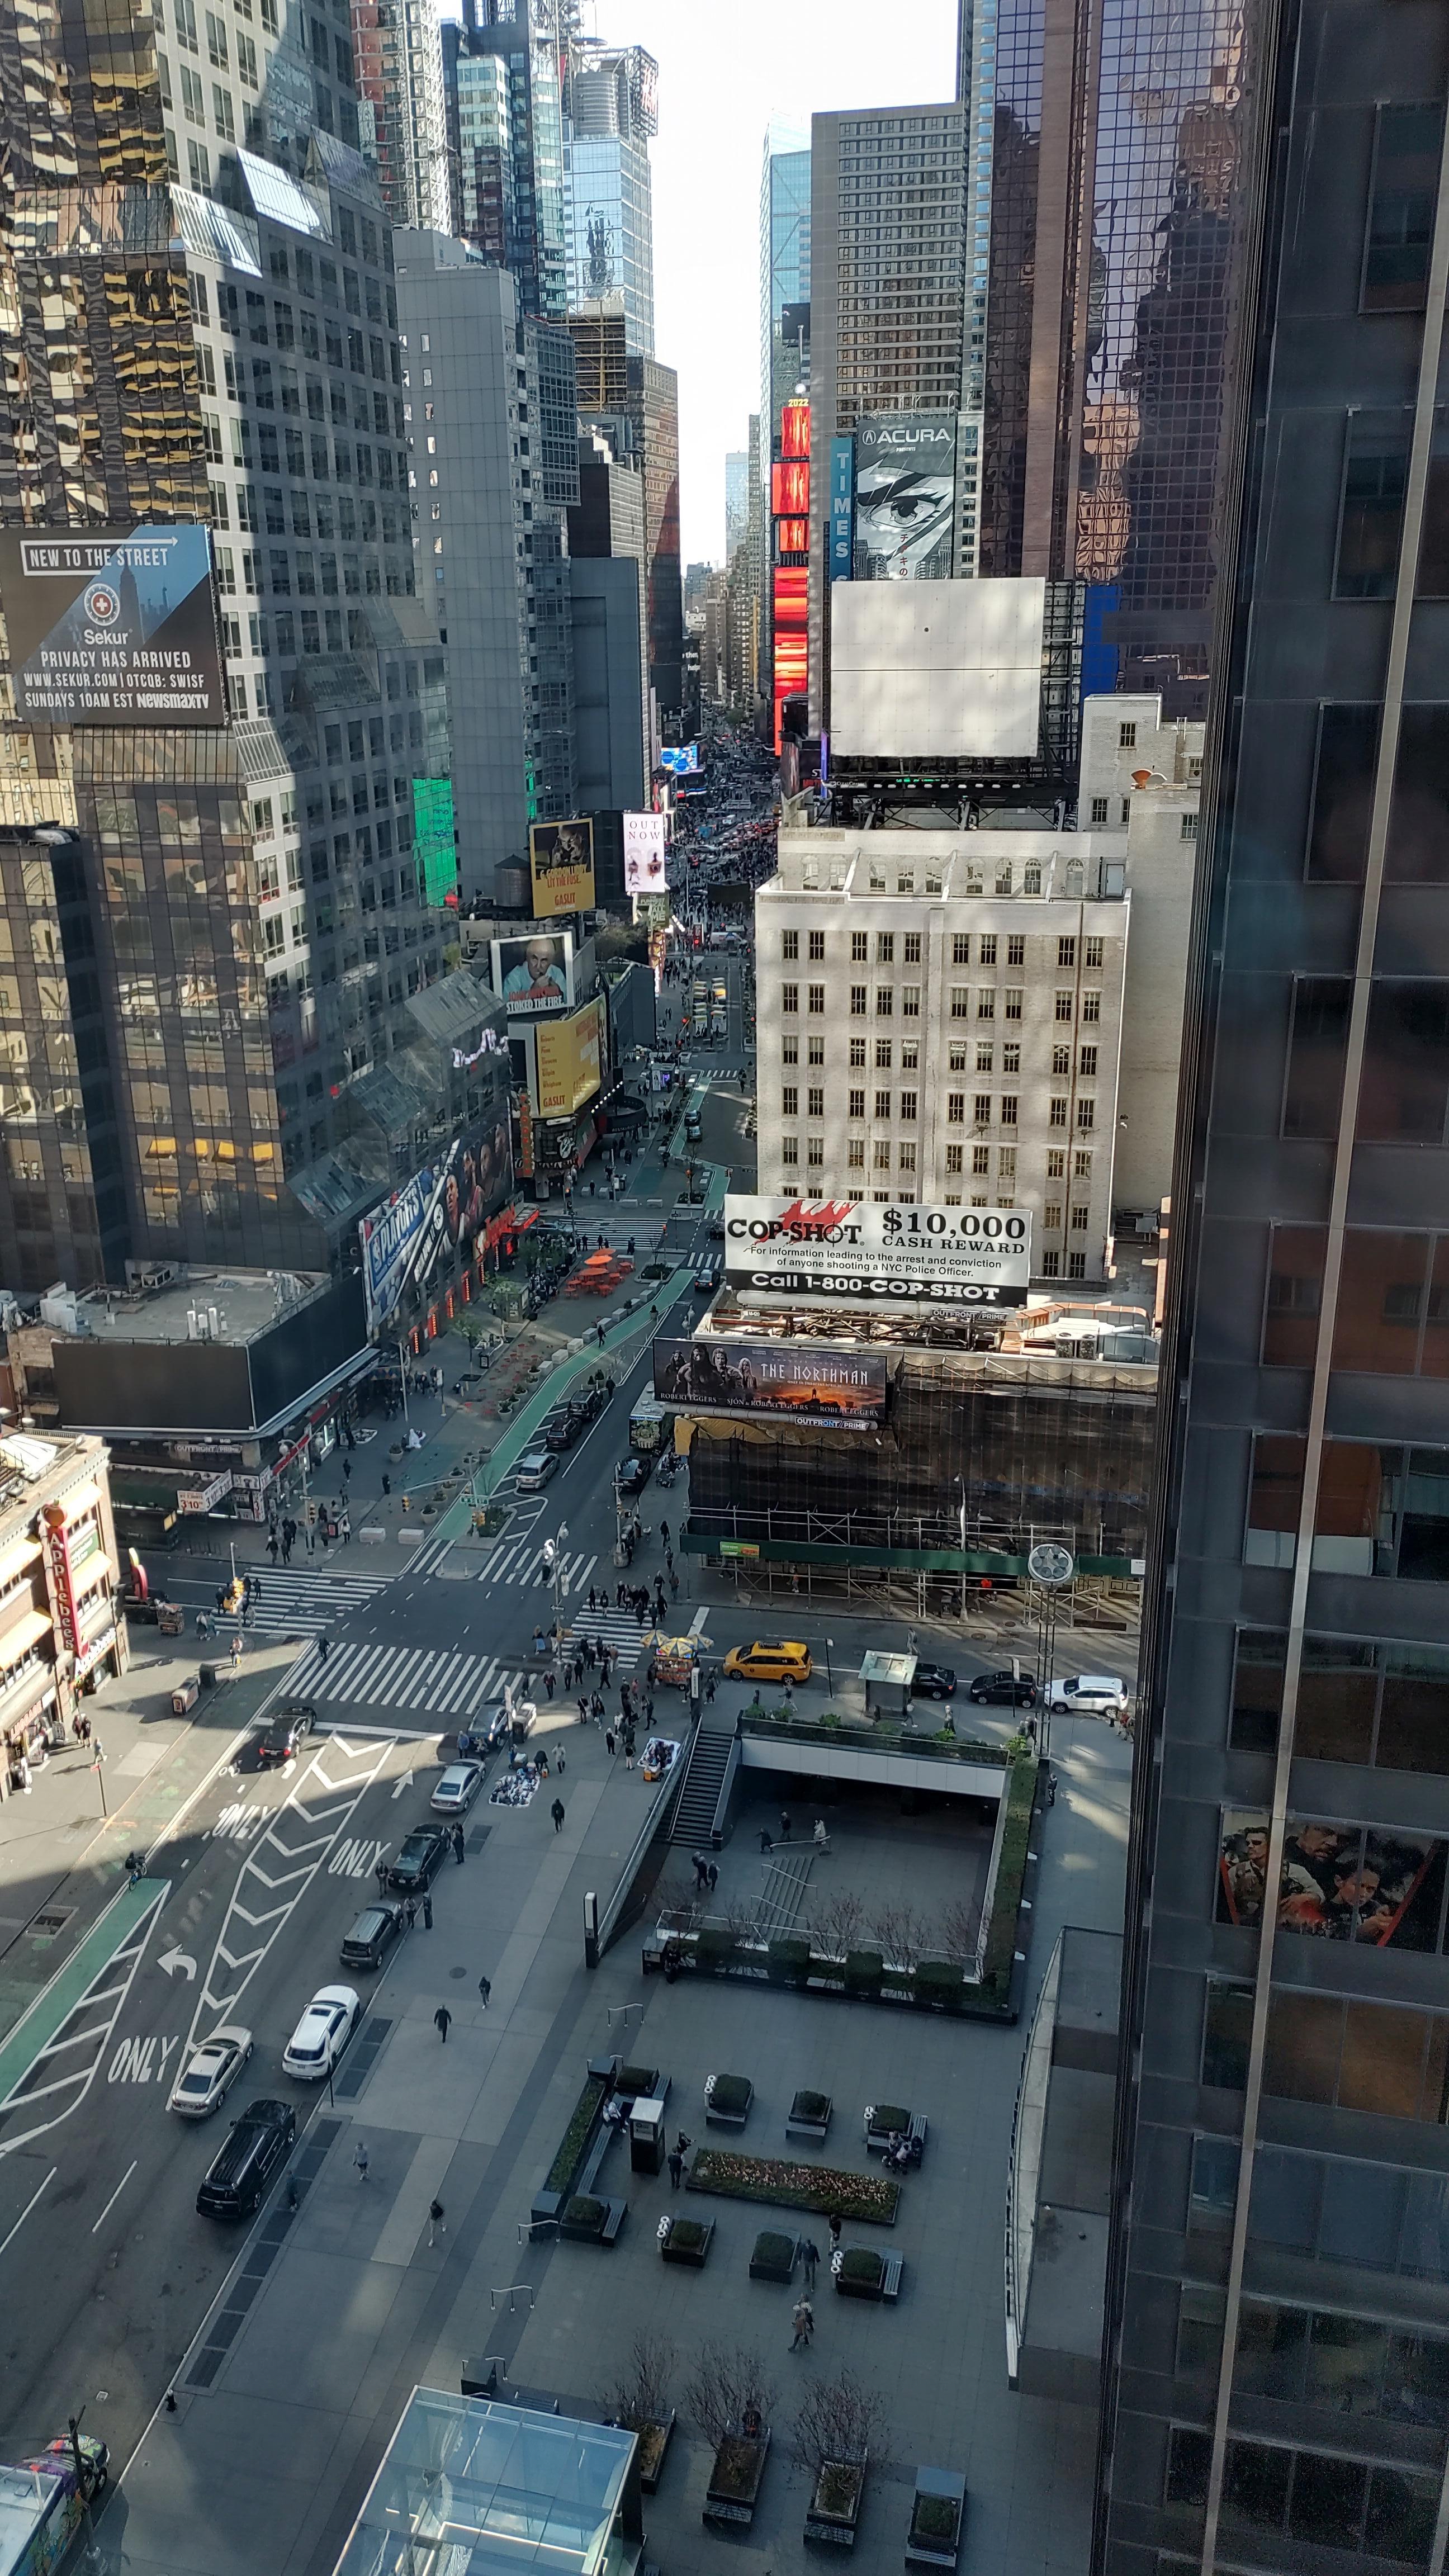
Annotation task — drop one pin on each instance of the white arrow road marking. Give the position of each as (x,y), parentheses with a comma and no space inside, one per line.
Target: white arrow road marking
(171,1960)
(89,2039)
(405,1782)
(231,1971)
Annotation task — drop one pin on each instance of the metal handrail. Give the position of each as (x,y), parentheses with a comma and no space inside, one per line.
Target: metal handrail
(875,1738)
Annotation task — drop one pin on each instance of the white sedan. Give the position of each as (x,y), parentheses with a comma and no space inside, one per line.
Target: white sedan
(1090,1694)
(322,2034)
(458,1788)
(210,2071)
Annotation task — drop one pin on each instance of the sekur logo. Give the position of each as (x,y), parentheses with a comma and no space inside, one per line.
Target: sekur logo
(102,604)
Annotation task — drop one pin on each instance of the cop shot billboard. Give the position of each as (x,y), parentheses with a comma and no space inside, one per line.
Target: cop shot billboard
(112,625)
(858,1249)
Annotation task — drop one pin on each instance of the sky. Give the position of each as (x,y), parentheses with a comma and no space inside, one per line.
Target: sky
(723,74)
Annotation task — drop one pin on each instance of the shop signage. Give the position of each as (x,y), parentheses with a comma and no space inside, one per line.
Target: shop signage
(204,1498)
(62,1581)
(859,1249)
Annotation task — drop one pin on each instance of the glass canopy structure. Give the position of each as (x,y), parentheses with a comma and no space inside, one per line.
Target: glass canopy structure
(468,2487)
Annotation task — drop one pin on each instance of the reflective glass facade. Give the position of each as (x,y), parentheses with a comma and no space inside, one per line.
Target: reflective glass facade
(1276,2391)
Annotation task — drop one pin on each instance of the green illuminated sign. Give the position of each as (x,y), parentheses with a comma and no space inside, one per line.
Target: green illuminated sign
(433,838)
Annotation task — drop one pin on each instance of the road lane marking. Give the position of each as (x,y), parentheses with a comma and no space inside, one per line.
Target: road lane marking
(115,2196)
(30,2204)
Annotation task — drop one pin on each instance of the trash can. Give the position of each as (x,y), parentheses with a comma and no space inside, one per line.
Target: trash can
(208,1676)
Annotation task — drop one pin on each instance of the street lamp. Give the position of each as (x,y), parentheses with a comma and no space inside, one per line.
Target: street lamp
(553,1560)
(829,1675)
(98,1765)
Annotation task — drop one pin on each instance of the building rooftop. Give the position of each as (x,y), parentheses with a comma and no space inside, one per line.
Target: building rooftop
(1036,866)
(230,1306)
(471,2484)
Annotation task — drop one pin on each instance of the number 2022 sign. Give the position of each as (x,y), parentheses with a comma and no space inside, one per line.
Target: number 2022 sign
(860,1249)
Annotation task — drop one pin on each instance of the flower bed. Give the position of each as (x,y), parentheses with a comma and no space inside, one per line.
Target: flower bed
(823,2188)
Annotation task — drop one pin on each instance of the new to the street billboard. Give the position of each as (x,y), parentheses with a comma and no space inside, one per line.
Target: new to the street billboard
(570,1062)
(534,977)
(681,757)
(442,1207)
(561,859)
(644,854)
(905,495)
(113,626)
(843,1388)
(822,1249)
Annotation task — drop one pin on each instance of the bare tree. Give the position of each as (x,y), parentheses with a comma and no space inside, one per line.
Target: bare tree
(836,1925)
(676,1903)
(955,1932)
(640,2394)
(729,2380)
(742,1918)
(900,1932)
(839,2419)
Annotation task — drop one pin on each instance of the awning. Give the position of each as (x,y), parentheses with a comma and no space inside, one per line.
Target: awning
(96,1569)
(25,1633)
(83,1498)
(17,1558)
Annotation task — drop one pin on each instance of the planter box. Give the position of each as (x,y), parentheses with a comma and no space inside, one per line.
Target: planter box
(809,2116)
(774,2256)
(834,2510)
(860,2273)
(938,2510)
(736,2478)
(693,2252)
(654,2441)
(587,2221)
(727,2100)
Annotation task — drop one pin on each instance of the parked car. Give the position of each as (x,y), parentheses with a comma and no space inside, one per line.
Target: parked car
(244,2168)
(209,2072)
(457,1789)
(1091,1694)
(534,1470)
(786,1661)
(563,1427)
(634,1474)
(322,2033)
(282,1740)
(484,1732)
(372,1936)
(934,1681)
(418,1862)
(1002,1690)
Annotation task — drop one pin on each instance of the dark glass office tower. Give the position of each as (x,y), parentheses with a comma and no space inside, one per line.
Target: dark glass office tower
(1277,2349)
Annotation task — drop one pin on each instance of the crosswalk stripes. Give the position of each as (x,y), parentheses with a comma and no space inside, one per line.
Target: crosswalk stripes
(521,1561)
(293,1598)
(447,1685)
(619,1630)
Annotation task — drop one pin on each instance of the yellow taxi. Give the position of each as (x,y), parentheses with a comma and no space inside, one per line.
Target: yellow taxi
(785,1662)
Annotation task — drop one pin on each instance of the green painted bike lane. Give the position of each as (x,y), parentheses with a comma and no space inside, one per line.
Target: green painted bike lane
(457,1519)
(56,2001)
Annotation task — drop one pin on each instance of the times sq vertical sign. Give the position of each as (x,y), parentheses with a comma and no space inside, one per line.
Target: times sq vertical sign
(790,592)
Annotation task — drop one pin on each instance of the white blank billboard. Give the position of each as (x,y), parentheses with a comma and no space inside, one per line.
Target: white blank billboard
(927,669)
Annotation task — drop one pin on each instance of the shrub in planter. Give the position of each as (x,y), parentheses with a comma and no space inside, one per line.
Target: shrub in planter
(585,2213)
(810,2106)
(576,2136)
(934,2517)
(685,2240)
(789,1962)
(838,2489)
(687,2235)
(731,2095)
(937,1982)
(863,1972)
(861,2268)
(888,2116)
(774,2256)
(714,1946)
(637,2080)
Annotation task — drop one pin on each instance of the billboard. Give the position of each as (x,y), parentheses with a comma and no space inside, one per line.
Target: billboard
(1339,1882)
(112,626)
(441,1209)
(796,1384)
(681,757)
(570,1062)
(561,858)
(534,977)
(644,854)
(842,508)
(920,670)
(433,843)
(856,1248)
(905,495)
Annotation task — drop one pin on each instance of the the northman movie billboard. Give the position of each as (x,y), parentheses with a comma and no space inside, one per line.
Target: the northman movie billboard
(112,625)
(823,1249)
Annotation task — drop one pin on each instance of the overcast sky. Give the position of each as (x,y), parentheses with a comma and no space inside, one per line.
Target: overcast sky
(723,73)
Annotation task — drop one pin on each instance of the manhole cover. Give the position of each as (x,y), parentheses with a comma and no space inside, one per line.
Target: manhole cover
(457,1972)
(54,1919)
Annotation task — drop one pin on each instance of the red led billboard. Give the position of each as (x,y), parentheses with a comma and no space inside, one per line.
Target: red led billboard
(790,594)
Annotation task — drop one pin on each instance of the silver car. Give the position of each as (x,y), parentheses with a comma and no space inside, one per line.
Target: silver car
(534,1470)
(210,2071)
(458,1788)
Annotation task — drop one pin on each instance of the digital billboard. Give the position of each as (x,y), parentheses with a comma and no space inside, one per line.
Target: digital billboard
(680,757)
(905,495)
(561,859)
(1336,1881)
(570,1062)
(860,1249)
(922,670)
(434,847)
(845,1388)
(443,1206)
(116,626)
(534,977)
(644,854)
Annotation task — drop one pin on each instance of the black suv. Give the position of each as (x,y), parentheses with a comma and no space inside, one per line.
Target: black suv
(282,1739)
(562,1428)
(934,1681)
(634,1475)
(419,1861)
(1002,1690)
(242,2171)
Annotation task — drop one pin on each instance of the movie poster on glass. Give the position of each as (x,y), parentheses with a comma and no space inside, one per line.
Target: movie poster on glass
(1338,1882)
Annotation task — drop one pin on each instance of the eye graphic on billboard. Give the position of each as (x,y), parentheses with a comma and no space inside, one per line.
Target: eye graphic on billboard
(644,854)
(115,626)
(723,1376)
(534,977)
(561,858)
(905,495)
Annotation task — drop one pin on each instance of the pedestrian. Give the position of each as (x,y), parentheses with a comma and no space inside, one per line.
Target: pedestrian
(548,1682)
(457,1840)
(809,2256)
(784,1824)
(559,1763)
(673,1581)
(427,1913)
(410,1913)
(713,1876)
(379,1871)
(441,2019)
(485,1989)
(664,1536)
(802,2318)
(360,2160)
(583,1709)
(236,1650)
(596,1709)
(347,1471)
(701,1870)
(543,1766)
(593,1597)
(344,1527)
(609,1741)
(437,2224)
(557,1813)
(820,1837)
(326,1536)
(709,1686)
(323,1646)
(676,2168)
(834,2234)
(273,1546)
(387,1484)
(628,1752)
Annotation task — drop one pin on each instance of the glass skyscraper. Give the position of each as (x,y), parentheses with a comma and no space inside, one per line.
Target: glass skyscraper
(611,111)
(1276,2391)
(504,109)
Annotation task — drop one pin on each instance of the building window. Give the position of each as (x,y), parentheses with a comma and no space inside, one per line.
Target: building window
(960,1001)
(1187,829)
(985,1059)
(906,1159)
(911,948)
(986,1002)
(881,1154)
(1008,1109)
(815,997)
(1126,737)
(1011,1059)
(1065,1003)
(1099,809)
(1081,1167)
(815,1153)
(855,1154)
(859,946)
(910,1001)
(1016,949)
(1058,1113)
(789,997)
(983,1108)
(789,944)
(988,949)
(857,1105)
(789,1050)
(790,1101)
(908,1106)
(882,1104)
(882,1055)
(1375,465)
(1011,1002)
(816,1050)
(1093,952)
(1087,1062)
(885,1001)
(1079,1218)
(1066,953)
(955,1108)
(1056,1165)
(1006,1162)
(789,1151)
(980,1161)
(1076,1265)
(1091,1009)
(1086,1115)
(1061,1059)
(857,1053)
(815,1100)
(885,948)
(1051,1216)
(817,944)
(857,1001)
(954,1156)
(1051,1265)
(961,948)
(1401,210)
